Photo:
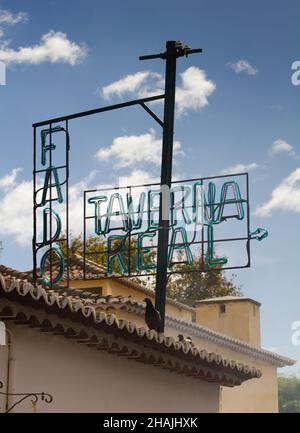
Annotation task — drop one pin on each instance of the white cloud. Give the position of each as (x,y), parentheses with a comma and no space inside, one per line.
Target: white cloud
(138,177)
(16,208)
(9,180)
(129,84)
(279,146)
(243,66)
(127,150)
(16,212)
(76,202)
(8,18)
(54,47)
(240,168)
(16,204)
(193,92)
(286,196)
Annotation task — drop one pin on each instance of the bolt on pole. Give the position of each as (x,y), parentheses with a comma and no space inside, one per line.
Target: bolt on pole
(174,49)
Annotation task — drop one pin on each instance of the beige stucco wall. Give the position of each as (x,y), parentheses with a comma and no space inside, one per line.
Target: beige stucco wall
(114,288)
(256,395)
(82,379)
(3,373)
(241,320)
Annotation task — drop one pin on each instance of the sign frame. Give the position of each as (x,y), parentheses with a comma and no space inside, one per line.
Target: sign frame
(174,50)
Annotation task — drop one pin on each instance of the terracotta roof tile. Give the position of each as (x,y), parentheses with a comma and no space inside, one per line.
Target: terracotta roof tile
(151,347)
(88,297)
(96,271)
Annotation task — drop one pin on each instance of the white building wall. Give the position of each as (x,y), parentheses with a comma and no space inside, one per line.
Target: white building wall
(82,379)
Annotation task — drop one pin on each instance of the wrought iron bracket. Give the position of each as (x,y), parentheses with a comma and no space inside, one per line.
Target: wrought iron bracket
(35,396)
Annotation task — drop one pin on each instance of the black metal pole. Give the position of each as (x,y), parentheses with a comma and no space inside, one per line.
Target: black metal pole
(174,49)
(165,181)
(34,239)
(97,110)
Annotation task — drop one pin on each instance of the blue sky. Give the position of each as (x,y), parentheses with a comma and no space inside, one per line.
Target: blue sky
(237,106)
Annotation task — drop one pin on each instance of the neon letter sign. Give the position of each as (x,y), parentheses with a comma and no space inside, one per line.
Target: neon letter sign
(48,213)
(190,207)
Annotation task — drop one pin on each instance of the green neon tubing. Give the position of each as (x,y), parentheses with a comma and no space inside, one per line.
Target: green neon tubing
(152,225)
(210,205)
(210,259)
(142,251)
(198,204)
(59,197)
(136,225)
(237,200)
(96,201)
(59,277)
(259,234)
(109,213)
(116,256)
(51,146)
(183,245)
(174,209)
(58,226)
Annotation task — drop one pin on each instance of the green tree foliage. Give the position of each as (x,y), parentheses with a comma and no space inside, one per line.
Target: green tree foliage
(194,286)
(96,250)
(289,394)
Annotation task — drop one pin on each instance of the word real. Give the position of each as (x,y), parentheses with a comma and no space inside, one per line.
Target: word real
(187,207)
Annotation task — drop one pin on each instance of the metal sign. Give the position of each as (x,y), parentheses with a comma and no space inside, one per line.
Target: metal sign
(209,226)
(51,147)
(158,231)
(50,197)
